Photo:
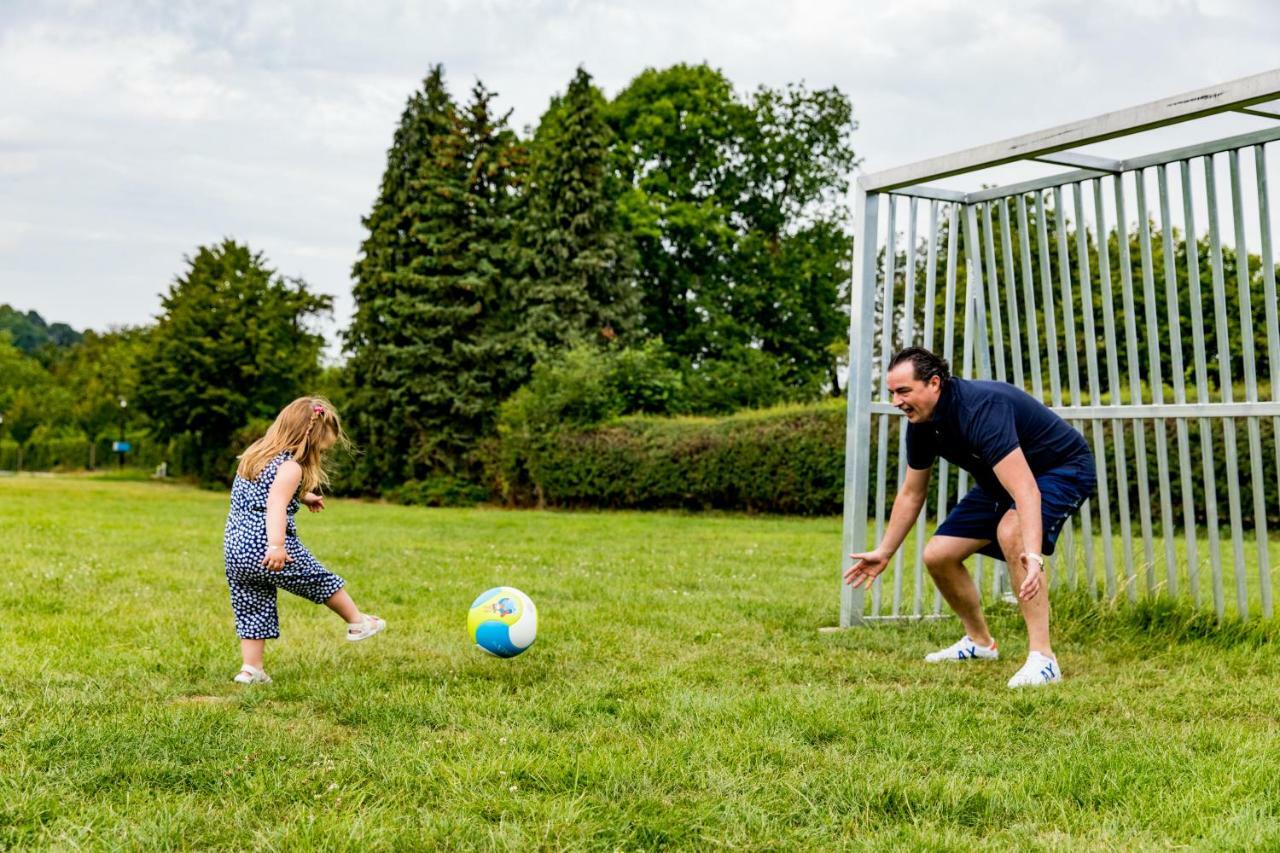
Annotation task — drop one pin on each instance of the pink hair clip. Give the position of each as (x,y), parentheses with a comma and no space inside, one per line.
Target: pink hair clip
(319,410)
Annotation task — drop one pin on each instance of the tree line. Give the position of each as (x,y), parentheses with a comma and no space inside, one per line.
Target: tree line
(679,248)
(701,228)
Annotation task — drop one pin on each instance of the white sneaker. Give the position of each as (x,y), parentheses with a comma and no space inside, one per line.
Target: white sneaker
(964,649)
(1039,670)
(365,628)
(251,675)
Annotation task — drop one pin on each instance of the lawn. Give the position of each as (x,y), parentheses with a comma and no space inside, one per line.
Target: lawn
(679,695)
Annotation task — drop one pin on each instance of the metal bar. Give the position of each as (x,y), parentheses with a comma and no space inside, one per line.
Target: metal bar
(993,293)
(1202,394)
(908,324)
(973,272)
(992,308)
(1250,384)
(1179,381)
(1068,301)
(1100,453)
(931,193)
(1244,92)
(1082,161)
(930,281)
(886,351)
(1113,387)
(907,332)
(1073,361)
(1046,286)
(931,276)
(1091,341)
(1201,149)
(882,461)
(1034,185)
(1029,298)
(858,390)
(1112,412)
(1095,392)
(1224,383)
(1250,111)
(1269,300)
(1135,382)
(948,352)
(1011,292)
(924,617)
(977,298)
(972,315)
(1156,380)
(1173,155)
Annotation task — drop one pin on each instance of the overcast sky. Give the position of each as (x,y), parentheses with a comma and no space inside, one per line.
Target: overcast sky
(130,133)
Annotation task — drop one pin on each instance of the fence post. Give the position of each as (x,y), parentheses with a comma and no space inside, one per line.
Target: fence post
(857,451)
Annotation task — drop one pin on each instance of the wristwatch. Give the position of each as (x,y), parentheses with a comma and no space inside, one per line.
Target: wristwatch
(1039,558)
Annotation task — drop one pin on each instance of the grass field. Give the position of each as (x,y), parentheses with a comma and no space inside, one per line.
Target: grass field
(679,696)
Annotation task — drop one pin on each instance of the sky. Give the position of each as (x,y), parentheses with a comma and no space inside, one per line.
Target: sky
(133,132)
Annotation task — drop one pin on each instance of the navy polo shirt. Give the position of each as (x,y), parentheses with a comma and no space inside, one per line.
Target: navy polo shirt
(977,423)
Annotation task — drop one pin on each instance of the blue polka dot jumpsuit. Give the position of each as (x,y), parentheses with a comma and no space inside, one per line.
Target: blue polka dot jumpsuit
(253,585)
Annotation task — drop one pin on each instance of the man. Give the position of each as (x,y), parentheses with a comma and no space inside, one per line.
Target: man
(1032,472)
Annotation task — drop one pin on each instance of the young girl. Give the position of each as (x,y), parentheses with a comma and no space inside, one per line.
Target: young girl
(261,546)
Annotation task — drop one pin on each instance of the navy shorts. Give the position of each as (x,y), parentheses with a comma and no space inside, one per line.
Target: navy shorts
(1062,491)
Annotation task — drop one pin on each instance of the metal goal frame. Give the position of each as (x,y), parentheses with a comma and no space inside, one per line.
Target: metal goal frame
(899,293)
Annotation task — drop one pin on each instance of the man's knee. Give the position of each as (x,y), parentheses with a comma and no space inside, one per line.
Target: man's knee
(938,555)
(1009,534)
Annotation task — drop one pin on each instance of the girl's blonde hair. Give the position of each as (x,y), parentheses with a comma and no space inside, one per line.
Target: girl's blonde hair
(308,428)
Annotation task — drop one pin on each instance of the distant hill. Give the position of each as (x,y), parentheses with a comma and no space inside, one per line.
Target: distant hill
(30,332)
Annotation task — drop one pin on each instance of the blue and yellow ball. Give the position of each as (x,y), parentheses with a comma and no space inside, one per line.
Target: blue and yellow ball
(503,621)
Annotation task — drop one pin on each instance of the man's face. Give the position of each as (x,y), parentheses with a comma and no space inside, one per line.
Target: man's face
(914,398)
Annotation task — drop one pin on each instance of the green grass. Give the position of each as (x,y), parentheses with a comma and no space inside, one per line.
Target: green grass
(680,696)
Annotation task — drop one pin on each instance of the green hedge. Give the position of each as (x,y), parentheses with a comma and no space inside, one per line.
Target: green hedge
(791,460)
(787,460)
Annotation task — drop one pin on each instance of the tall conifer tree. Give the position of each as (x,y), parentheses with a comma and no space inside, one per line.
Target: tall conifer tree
(433,341)
(580,282)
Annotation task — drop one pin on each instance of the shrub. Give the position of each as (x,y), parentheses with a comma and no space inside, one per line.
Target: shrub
(782,460)
(438,491)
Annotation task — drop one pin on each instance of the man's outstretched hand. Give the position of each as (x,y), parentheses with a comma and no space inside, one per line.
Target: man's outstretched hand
(866,568)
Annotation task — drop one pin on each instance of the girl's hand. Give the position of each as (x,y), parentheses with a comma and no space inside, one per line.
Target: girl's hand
(312,501)
(276,558)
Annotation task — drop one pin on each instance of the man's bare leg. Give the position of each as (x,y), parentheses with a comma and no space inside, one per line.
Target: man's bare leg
(945,556)
(1036,611)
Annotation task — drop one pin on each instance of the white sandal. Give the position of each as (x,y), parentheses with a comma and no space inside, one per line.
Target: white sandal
(251,675)
(365,628)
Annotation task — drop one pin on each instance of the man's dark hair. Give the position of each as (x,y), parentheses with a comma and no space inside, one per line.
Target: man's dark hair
(926,364)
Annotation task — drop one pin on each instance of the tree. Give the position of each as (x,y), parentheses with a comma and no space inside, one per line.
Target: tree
(99,372)
(435,342)
(736,209)
(676,130)
(579,284)
(792,263)
(232,344)
(385,289)
(25,382)
(31,334)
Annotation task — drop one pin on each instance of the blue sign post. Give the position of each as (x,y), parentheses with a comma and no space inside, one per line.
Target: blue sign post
(122,447)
